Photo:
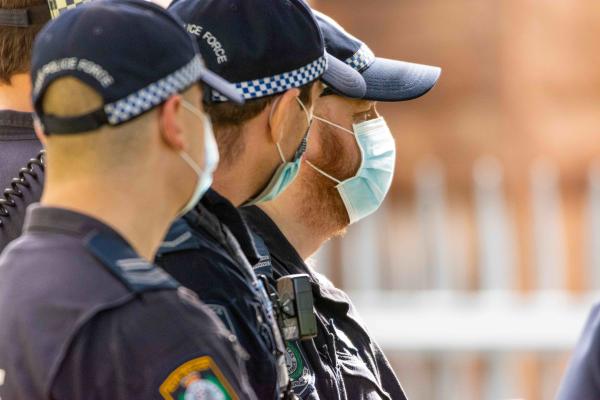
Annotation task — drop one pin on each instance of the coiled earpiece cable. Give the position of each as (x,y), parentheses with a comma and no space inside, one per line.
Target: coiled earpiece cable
(7,200)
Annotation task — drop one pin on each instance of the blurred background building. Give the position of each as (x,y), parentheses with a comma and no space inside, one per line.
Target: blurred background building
(478,273)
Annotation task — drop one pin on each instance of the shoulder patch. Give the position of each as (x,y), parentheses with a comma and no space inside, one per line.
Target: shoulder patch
(303,379)
(197,379)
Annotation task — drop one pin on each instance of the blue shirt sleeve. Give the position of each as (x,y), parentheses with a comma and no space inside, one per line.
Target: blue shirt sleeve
(582,378)
(158,346)
(217,282)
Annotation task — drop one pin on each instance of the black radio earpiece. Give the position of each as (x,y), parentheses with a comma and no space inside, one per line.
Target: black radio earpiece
(7,202)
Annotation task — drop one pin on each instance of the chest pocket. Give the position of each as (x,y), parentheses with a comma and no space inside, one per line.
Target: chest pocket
(360,382)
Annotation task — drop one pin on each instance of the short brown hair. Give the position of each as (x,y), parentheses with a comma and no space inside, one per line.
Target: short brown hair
(228,119)
(16,43)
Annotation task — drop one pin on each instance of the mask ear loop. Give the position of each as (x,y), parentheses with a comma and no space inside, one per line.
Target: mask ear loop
(334,124)
(193,165)
(186,157)
(273,108)
(308,120)
(270,118)
(308,116)
(325,174)
(190,107)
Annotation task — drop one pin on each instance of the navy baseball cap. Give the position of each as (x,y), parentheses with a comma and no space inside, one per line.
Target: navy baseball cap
(387,80)
(133,53)
(264,47)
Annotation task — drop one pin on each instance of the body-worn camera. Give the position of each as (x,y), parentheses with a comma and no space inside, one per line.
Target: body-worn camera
(296,316)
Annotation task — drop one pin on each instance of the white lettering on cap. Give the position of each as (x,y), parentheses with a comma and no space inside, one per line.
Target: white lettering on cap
(216,46)
(210,40)
(93,69)
(194,29)
(72,64)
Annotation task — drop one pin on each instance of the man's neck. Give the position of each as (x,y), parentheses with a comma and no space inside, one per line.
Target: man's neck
(232,185)
(284,213)
(143,223)
(17,95)
(241,177)
(239,181)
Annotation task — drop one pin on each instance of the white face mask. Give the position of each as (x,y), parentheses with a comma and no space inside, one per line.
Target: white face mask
(211,159)
(365,191)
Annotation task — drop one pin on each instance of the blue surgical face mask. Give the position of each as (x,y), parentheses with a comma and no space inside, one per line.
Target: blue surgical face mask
(287,171)
(364,192)
(211,159)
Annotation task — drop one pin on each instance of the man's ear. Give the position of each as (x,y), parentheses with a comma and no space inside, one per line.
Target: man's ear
(281,112)
(170,123)
(39,131)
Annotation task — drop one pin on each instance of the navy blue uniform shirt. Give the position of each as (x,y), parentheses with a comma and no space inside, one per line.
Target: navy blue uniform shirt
(342,361)
(84,317)
(208,260)
(18,145)
(582,379)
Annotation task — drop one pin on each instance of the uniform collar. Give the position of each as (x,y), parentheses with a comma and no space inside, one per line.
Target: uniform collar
(106,244)
(231,217)
(286,255)
(276,242)
(55,219)
(15,119)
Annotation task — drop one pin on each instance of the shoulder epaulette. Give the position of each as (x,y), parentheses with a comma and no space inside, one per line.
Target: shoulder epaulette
(133,271)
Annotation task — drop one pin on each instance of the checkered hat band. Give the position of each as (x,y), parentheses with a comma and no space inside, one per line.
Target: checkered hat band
(278,83)
(154,94)
(361,59)
(59,6)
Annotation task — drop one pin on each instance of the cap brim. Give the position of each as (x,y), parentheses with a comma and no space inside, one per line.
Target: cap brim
(343,78)
(393,80)
(222,86)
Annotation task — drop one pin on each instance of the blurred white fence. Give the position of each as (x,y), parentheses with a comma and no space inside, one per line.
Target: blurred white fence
(407,269)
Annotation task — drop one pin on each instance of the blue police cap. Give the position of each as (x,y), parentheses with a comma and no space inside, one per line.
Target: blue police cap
(387,80)
(264,46)
(133,53)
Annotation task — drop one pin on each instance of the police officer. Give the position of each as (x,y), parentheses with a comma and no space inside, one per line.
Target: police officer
(22,167)
(273,50)
(84,314)
(347,172)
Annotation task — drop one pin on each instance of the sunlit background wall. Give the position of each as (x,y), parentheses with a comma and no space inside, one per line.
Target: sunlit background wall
(477,274)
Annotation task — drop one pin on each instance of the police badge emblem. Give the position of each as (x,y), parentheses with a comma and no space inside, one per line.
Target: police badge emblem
(197,379)
(303,379)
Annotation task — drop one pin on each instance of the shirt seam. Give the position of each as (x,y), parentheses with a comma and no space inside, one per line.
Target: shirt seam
(58,363)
